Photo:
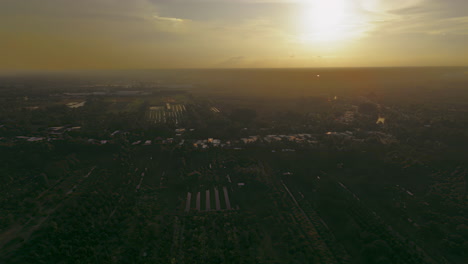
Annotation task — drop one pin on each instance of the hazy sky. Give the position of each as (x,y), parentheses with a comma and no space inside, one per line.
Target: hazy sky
(121,34)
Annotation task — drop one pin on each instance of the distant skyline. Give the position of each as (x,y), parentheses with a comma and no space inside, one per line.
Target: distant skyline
(152,34)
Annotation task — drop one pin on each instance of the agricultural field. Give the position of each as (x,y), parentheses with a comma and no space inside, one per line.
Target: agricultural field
(214,110)
(366,223)
(112,188)
(170,113)
(154,205)
(123,104)
(211,199)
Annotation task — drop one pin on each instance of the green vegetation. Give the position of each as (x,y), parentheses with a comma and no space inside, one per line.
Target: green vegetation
(312,179)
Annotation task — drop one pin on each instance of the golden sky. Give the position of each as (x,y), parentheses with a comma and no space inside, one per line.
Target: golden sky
(147,34)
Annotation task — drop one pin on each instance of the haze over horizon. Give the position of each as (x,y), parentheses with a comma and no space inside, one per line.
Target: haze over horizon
(151,34)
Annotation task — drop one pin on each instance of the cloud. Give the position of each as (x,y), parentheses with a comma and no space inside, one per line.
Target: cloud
(230,1)
(172,20)
(170,24)
(381,6)
(422,24)
(417,17)
(454,26)
(171,33)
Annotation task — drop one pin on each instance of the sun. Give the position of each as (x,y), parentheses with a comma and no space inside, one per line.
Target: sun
(324,21)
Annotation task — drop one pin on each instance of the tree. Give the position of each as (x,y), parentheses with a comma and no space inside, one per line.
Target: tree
(243,115)
(368,109)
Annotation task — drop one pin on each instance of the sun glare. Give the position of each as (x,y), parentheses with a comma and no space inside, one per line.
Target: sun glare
(326,21)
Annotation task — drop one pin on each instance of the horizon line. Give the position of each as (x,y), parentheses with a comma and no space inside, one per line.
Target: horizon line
(218,68)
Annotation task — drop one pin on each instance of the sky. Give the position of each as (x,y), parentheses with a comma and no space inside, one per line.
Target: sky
(151,34)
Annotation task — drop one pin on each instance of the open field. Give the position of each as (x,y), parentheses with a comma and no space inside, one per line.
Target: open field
(166,114)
